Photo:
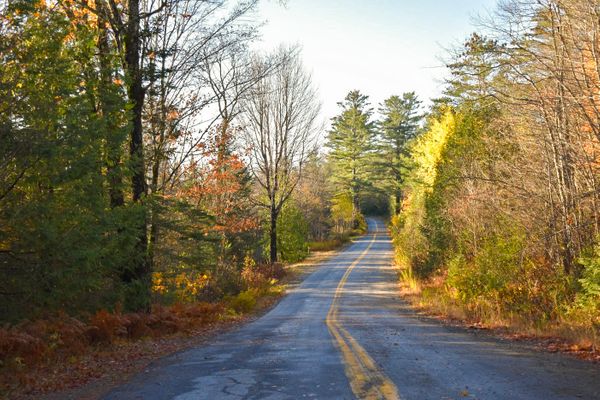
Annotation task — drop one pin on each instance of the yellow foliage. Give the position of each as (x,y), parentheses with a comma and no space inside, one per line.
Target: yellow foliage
(186,285)
(428,150)
(427,153)
(159,284)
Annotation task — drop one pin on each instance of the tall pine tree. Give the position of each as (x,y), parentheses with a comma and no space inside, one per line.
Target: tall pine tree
(400,122)
(350,140)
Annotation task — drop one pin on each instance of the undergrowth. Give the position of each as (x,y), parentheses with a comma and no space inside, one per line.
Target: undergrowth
(29,345)
(577,325)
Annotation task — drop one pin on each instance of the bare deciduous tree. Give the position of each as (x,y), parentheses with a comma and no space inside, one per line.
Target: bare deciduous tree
(280,130)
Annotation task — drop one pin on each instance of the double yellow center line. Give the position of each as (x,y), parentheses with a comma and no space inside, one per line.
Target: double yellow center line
(366,379)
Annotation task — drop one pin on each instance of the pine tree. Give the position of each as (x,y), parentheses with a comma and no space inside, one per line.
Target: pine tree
(58,234)
(350,140)
(398,127)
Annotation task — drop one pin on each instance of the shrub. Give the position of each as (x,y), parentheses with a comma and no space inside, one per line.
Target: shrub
(328,245)
(18,348)
(198,313)
(105,327)
(292,234)
(58,338)
(488,277)
(252,275)
(590,281)
(360,224)
(244,302)
(586,309)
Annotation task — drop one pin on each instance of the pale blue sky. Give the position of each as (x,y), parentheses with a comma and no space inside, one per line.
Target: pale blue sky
(381,47)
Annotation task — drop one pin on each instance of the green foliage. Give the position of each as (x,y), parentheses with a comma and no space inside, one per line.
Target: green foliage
(487,265)
(500,281)
(585,310)
(344,218)
(410,232)
(57,233)
(473,70)
(589,296)
(330,244)
(360,224)
(398,128)
(244,302)
(375,202)
(292,234)
(79,231)
(498,203)
(491,271)
(342,212)
(350,141)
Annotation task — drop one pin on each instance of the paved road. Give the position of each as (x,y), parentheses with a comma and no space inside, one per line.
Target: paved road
(345,334)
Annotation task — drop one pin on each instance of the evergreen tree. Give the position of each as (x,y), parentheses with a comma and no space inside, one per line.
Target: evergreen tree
(398,127)
(60,241)
(350,140)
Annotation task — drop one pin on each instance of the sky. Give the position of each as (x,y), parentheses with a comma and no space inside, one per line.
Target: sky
(381,47)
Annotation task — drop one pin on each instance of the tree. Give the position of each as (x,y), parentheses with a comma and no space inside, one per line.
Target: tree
(313,197)
(222,187)
(398,127)
(280,118)
(292,233)
(502,201)
(187,42)
(541,70)
(350,140)
(163,47)
(58,241)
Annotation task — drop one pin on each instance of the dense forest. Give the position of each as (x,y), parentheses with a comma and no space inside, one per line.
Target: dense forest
(150,157)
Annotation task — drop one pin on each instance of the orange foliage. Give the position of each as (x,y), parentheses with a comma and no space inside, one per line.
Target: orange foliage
(31,343)
(81,13)
(105,327)
(219,185)
(21,347)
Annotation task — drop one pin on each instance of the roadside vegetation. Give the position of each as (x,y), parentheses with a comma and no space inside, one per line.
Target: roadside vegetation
(499,217)
(157,175)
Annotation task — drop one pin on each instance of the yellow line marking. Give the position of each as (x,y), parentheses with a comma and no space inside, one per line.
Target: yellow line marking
(366,379)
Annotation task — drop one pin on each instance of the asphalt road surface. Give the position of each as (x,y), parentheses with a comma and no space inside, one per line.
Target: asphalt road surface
(344,334)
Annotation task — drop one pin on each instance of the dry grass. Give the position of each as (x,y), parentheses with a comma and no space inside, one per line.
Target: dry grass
(327,245)
(31,351)
(567,335)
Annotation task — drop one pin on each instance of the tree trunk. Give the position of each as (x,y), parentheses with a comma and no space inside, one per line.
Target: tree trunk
(113,138)
(140,273)
(273,235)
(136,96)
